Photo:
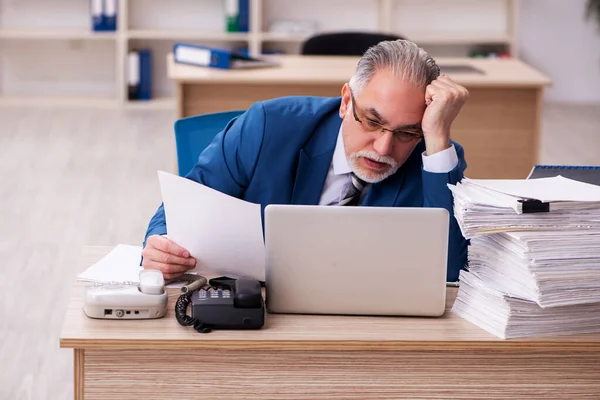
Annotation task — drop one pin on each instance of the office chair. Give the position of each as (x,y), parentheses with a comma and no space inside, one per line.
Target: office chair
(194,134)
(343,43)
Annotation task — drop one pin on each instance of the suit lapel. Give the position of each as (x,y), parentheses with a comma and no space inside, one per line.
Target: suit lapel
(384,194)
(387,192)
(314,162)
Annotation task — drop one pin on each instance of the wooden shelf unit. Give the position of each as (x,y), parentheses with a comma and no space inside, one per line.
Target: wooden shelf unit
(137,27)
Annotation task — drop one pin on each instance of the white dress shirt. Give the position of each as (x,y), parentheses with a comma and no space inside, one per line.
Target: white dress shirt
(338,177)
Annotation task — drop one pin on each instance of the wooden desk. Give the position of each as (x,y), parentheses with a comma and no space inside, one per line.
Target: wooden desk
(322,357)
(499,127)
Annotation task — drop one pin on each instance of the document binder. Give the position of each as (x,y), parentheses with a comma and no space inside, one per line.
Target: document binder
(139,75)
(133,75)
(110,15)
(104,15)
(145,75)
(244,16)
(582,173)
(204,56)
(237,15)
(97,15)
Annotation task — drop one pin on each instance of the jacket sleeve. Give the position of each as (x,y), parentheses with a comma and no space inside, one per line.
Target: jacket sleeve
(437,194)
(227,164)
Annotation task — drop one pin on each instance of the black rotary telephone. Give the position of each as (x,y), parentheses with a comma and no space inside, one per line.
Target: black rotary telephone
(225,304)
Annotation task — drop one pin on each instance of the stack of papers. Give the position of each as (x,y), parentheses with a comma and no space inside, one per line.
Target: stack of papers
(529,273)
(485,206)
(547,267)
(121,265)
(508,317)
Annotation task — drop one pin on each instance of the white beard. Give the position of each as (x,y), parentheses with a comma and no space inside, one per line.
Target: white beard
(370,176)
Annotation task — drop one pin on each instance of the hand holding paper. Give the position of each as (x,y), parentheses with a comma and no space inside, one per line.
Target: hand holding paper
(223,233)
(166,256)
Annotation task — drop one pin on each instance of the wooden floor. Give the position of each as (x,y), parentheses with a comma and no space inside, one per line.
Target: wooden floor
(73,177)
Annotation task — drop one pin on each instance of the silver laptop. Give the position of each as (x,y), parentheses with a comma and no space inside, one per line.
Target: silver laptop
(356,260)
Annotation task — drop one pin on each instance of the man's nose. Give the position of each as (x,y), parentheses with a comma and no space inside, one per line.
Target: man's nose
(383,144)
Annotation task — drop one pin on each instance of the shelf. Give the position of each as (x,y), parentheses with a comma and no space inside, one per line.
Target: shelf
(283,37)
(55,33)
(160,103)
(57,101)
(453,38)
(94,63)
(187,35)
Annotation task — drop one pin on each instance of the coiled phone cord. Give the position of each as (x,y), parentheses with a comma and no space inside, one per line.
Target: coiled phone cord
(181,306)
(185,320)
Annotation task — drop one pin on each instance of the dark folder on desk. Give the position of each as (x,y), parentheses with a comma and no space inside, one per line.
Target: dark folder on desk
(586,174)
(204,56)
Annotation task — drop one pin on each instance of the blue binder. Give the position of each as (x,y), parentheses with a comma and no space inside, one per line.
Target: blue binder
(582,173)
(145,91)
(104,15)
(204,56)
(110,15)
(139,76)
(97,15)
(244,16)
(133,75)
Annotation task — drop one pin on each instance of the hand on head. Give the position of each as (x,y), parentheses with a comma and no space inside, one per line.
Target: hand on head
(444,98)
(166,256)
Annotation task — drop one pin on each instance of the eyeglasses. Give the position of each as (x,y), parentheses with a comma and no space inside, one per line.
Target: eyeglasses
(371,126)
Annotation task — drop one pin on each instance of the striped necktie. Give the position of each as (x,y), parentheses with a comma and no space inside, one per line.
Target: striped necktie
(352,197)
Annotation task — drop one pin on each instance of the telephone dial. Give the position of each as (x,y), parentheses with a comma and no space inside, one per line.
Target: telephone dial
(224,304)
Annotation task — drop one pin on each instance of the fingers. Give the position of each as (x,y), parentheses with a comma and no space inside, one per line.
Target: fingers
(171,276)
(167,268)
(445,89)
(167,246)
(445,82)
(151,254)
(166,256)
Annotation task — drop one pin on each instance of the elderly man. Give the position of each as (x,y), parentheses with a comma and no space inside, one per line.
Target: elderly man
(385,142)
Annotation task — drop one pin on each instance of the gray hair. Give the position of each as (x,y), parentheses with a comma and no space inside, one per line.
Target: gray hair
(404,58)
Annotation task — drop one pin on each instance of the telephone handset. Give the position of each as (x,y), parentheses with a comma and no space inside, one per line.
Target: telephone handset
(146,300)
(225,304)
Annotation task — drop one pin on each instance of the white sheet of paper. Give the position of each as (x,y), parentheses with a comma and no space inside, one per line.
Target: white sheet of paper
(556,188)
(121,264)
(222,232)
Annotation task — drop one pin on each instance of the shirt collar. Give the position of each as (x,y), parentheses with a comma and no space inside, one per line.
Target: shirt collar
(340,162)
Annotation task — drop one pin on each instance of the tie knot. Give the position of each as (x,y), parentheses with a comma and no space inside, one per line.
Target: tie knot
(357,182)
(353,191)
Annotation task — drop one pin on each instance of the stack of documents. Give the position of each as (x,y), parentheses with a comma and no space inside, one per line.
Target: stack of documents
(551,268)
(120,265)
(533,258)
(484,206)
(509,317)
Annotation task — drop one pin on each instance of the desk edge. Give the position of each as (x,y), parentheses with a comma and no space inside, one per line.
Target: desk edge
(337,345)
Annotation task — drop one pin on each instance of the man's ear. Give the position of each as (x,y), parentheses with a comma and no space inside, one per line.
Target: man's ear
(345,100)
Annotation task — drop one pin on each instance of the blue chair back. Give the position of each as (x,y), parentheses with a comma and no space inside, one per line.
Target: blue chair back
(194,134)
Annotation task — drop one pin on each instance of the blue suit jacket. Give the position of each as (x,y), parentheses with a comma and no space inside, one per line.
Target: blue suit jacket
(279,152)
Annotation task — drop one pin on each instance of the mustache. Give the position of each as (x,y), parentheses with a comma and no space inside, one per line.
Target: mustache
(375,157)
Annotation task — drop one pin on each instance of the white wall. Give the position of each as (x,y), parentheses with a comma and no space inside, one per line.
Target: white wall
(556,39)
